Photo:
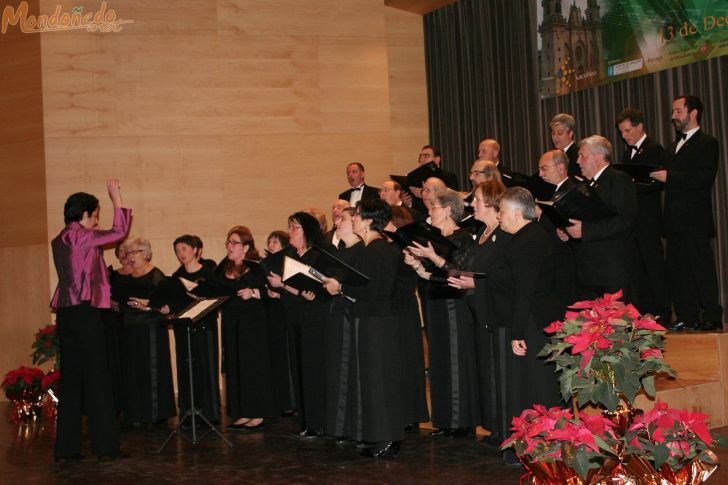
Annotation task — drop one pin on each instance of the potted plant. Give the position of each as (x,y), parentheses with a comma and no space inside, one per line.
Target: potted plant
(23,388)
(607,353)
(45,346)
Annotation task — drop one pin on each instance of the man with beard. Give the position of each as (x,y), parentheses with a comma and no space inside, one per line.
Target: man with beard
(691,163)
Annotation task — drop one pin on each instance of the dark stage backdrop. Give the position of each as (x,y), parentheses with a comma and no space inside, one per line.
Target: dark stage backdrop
(482,80)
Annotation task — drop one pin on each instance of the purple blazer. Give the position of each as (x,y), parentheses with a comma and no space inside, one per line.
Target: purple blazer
(79,260)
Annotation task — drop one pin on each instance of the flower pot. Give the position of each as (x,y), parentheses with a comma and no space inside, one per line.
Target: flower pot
(27,405)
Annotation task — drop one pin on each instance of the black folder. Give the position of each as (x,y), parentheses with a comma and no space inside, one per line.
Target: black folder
(581,202)
(273,262)
(539,188)
(471,224)
(417,176)
(330,265)
(640,173)
(422,233)
(558,218)
(196,311)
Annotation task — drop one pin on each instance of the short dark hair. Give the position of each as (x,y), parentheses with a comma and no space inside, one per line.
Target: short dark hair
(77,205)
(435,150)
(282,237)
(634,116)
(692,102)
(377,210)
(188,239)
(361,167)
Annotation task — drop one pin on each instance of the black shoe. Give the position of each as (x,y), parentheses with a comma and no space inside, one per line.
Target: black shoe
(491,442)
(310,433)
(510,458)
(288,414)
(412,428)
(388,450)
(441,432)
(342,440)
(258,427)
(459,432)
(709,326)
(107,457)
(682,326)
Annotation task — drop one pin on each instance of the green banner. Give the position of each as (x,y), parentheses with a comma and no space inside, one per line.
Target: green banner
(585,43)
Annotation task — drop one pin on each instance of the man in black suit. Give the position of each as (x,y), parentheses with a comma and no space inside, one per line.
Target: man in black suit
(553,167)
(652,294)
(563,127)
(602,254)
(489,149)
(691,163)
(428,154)
(391,193)
(359,190)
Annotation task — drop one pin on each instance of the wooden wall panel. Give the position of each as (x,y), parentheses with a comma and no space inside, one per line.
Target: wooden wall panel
(215,113)
(24,289)
(407,88)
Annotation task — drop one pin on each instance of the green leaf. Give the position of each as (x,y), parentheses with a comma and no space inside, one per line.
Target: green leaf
(603,444)
(648,383)
(581,464)
(661,453)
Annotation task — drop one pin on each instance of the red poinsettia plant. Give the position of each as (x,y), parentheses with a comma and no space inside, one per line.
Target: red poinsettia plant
(21,379)
(606,352)
(554,435)
(50,380)
(672,437)
(45,346)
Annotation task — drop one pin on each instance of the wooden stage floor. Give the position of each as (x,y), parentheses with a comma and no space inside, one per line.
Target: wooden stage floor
(269,457)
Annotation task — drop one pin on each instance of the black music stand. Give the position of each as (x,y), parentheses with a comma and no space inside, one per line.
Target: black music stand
(189,318)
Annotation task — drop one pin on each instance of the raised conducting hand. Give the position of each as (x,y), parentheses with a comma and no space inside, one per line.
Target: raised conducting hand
(114,188)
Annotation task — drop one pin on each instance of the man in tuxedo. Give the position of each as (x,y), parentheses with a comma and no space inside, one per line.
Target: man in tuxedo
(553,167)
(489,149)
(391,193)
(428,154)
(651,289)
(691,163)
(563,127)
(603,250)
(483,170)
(336,210)
(359,190)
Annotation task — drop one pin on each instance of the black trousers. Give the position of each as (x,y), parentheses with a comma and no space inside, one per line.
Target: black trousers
(85,384)
(693,278)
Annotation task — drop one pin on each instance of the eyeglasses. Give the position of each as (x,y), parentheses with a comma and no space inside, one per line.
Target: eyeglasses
(233,243)
(476,172)
(134,251)
(291,227)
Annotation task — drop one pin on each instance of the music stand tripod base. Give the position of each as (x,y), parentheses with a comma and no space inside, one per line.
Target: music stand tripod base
(193,414)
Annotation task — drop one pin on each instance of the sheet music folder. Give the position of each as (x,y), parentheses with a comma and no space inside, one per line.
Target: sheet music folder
(196,311)
(640,173)
(581,202)
(539,188)
(422,233)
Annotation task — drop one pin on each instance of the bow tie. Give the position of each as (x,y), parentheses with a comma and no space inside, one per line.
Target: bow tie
(633,147)
(681,136)
(357,188)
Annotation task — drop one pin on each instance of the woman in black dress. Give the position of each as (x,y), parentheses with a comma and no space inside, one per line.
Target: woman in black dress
(148,395)
(204,343)
(246,357)
(490,243)
(306,321)
(523,297)
(414,398)
(278,339)
(453,377)
(339,334)
(119,281)
(376,402)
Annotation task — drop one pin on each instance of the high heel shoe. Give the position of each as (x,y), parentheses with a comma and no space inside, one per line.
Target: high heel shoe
(258,427)
(389,450)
